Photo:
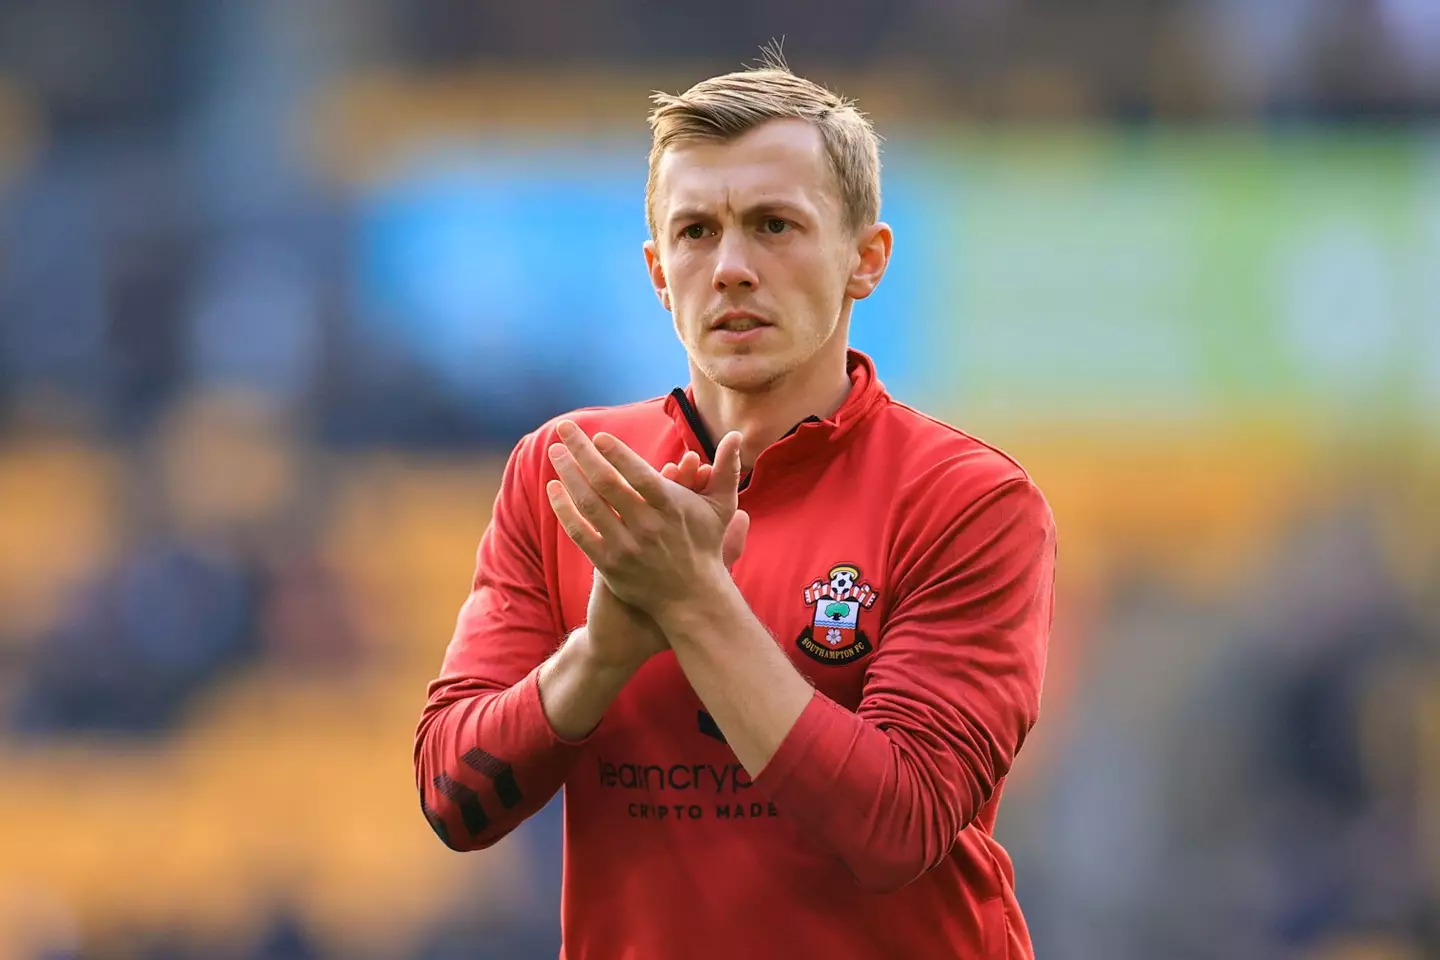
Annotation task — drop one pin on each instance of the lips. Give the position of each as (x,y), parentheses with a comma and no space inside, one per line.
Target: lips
(737,321)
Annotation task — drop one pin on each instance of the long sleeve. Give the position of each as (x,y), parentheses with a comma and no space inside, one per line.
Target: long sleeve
(952,691)
(486,757)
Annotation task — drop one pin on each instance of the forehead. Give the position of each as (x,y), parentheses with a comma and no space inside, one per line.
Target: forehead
(778,161)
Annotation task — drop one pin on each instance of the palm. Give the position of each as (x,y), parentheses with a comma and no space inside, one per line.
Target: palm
(647,531)
(695,476)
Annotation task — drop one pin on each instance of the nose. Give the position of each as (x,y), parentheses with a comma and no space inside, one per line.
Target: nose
(733,266)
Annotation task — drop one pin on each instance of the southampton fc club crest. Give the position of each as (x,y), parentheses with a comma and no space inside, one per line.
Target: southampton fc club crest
(834,635)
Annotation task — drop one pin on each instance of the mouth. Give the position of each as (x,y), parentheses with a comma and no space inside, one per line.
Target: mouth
(737,321)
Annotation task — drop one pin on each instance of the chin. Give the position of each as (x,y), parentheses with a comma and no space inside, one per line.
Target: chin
(745,372)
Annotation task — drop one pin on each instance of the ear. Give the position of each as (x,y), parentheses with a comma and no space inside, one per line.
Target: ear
(657,273)
(873,246)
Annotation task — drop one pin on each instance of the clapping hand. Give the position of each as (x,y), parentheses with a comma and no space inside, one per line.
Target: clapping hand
(653,536)
(654,539)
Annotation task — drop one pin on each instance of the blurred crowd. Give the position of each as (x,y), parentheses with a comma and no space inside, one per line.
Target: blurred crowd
(216,568)
(1283,805)
(250,404)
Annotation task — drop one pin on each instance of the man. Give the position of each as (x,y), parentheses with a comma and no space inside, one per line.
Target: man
(801,755)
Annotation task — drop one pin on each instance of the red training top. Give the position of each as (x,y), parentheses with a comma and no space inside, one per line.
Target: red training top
(907,569)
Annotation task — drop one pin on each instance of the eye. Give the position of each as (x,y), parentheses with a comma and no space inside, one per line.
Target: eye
(776,225)
(696,231)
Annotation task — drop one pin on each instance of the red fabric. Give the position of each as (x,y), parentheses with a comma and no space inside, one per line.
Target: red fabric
(869,834)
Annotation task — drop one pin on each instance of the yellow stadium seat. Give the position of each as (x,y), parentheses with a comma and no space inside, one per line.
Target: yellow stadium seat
(59,523)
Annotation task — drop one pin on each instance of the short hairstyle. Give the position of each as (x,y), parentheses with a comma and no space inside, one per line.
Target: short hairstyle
(728,106)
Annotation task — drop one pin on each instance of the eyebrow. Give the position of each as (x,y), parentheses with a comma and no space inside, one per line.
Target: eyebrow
(693,213)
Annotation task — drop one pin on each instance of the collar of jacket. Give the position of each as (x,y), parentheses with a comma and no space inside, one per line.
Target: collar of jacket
(812,440)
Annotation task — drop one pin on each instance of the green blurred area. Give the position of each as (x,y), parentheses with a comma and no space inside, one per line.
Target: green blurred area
(1188,274)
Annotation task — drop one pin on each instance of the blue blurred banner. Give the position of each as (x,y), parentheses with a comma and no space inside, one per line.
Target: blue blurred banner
(499,270)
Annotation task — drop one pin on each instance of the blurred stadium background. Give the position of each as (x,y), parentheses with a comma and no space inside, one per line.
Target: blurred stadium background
(282,280)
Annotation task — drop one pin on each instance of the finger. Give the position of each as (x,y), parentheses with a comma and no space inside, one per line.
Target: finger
(724,486)
(642,478)
(671,472)
(581,494)
(571,521)
(599,472)
(733,544)
(702,476)
(686,465)
(689,469)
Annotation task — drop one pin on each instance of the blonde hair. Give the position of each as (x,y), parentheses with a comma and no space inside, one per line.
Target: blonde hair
(726,107)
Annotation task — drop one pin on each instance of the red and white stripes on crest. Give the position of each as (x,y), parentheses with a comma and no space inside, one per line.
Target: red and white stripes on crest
(864,594)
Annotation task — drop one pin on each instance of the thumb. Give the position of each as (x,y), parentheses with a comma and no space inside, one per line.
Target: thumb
(724,485)
(734,542)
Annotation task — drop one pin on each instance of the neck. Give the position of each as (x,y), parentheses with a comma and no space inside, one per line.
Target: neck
(817,389)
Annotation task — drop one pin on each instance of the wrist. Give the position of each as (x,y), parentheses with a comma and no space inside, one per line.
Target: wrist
(577,686)
(705,602)
(595,661)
